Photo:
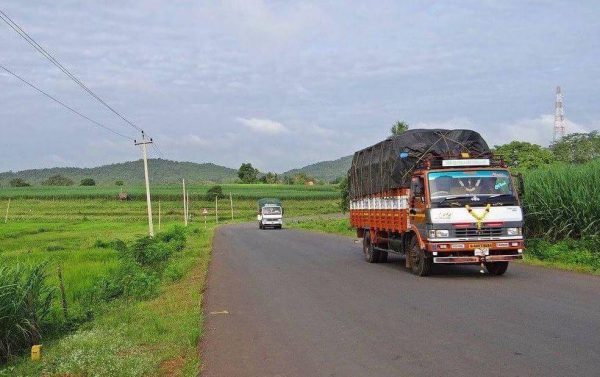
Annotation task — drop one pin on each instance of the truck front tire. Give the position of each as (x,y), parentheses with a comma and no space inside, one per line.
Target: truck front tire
(496,268)
(420,263)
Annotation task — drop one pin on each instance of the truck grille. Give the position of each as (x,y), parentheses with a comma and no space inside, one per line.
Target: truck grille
(474,232)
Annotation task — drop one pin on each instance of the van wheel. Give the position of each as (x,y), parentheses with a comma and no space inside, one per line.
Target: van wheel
(420,263)
(371,255)
(496,268)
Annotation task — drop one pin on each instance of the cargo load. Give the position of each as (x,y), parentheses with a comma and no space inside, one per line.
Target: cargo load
(389,164)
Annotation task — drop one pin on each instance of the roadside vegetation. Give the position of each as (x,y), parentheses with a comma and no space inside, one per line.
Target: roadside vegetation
(133,304)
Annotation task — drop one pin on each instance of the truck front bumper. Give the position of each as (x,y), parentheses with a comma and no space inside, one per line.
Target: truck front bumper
(477,259)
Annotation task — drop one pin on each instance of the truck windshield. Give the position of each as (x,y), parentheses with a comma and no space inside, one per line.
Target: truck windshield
(471,183)
(271,210)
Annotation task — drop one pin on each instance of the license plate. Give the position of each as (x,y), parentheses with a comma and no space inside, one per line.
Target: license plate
(482,252)
(480,245)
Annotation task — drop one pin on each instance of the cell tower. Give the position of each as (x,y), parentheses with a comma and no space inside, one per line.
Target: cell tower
(559,116)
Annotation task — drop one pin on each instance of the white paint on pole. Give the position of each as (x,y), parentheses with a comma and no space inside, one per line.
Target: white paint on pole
(7,208)
(217,209)
(185,221)
(143,143)
(231,204)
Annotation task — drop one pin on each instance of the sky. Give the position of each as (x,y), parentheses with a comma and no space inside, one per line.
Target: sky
(283,84)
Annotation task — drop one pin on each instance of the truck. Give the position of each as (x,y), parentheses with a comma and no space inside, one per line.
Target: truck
(270,213)
(436,197)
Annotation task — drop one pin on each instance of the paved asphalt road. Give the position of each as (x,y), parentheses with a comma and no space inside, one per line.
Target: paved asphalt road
(305,304)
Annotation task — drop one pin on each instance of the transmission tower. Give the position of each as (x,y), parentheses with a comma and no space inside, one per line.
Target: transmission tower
(559,116)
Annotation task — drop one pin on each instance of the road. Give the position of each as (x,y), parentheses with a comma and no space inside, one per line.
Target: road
(293,303)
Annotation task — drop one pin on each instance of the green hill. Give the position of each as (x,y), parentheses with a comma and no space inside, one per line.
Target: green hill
(325,170)
(131,172)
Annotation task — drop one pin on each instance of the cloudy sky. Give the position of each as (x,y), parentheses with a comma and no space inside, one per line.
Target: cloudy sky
(283,84)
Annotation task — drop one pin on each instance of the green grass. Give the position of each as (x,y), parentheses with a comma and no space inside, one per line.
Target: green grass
(563,201)
(324,225)
(131,336)
(172,192)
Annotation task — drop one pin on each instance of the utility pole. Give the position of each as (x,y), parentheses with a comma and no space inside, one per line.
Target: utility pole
(143,143)
(231,204)
(187,205)
(217,209)
(7,208)
(185,218)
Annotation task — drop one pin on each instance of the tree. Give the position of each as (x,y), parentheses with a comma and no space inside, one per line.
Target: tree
(119,183)
(58,180)
(344,194)
(270,178)
(247,173)
(215,191)
(523,155)
(578,147)
(399,127)
(87,182)
(18,182)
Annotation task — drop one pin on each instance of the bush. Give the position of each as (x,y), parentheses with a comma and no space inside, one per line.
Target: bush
(87,182)
(119,183)
(18,182)
(58,180)
(582,253)
(215,191)
(25,301)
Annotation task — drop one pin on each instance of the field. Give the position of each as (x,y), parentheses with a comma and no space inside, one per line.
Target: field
(77,229)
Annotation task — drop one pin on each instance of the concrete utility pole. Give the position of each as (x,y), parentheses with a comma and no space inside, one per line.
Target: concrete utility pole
(217,209)
(148,201)
(231,204)
(7,208)
(185,218)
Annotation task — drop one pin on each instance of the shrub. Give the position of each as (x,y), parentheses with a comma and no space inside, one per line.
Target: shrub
(87,182)
(18,182)
(25,301)
(58,180)
(214,191)
(119,183)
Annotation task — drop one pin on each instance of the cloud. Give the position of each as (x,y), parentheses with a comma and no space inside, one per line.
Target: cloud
(267,126)
(537,130)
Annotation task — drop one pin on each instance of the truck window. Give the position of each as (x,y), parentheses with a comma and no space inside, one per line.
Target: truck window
(271,210)
(485,183)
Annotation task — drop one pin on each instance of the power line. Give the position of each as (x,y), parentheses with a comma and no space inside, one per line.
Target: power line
(51,58)
(63,104)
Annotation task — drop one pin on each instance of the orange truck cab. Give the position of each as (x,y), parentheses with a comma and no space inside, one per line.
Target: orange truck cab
(457,209)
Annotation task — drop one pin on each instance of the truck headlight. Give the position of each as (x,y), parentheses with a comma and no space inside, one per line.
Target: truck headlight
(513,231)
(440,233)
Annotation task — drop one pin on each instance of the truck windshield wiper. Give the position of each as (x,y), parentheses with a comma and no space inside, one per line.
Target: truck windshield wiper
(454,197)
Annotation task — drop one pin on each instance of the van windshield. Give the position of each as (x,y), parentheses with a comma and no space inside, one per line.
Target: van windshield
(271,210)
(470,183)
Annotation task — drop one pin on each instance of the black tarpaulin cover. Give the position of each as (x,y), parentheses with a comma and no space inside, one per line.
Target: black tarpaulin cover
(380,167)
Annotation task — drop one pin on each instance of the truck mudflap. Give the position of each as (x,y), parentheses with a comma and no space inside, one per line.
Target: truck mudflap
(477,259)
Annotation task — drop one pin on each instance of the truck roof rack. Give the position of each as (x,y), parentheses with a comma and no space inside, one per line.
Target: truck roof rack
(463,160)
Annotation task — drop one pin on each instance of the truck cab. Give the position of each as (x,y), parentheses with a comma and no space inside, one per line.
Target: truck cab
(466,211)
(270,214)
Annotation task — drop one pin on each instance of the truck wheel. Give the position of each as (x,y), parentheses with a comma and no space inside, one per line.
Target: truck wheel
(383,256)
(371,255)
(496,268)
(420,263)
(260,226)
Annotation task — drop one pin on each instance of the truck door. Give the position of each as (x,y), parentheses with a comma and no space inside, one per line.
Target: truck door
(417,203)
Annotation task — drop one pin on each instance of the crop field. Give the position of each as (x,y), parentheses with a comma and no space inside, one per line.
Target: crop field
(172,192)
(79,230)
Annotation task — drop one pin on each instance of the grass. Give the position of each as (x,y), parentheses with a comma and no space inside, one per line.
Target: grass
(132,334)
(324,225)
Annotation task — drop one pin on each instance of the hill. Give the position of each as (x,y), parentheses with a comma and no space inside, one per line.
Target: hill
(325,170)
(131,172)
